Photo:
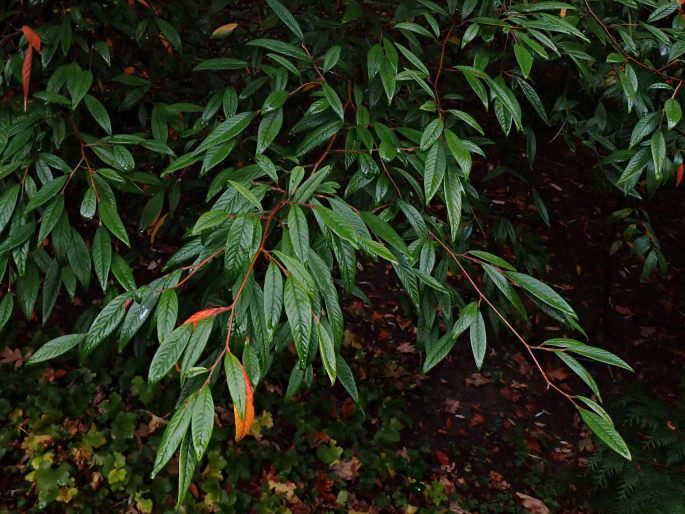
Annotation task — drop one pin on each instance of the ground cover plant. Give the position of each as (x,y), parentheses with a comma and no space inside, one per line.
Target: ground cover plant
(209,178)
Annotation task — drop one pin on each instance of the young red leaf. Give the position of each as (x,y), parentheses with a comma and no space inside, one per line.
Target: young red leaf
(31,37)
(679,175)
(205,313)
(243,423)
(26,75)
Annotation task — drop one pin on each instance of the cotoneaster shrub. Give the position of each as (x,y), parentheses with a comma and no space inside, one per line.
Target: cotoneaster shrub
(272,147)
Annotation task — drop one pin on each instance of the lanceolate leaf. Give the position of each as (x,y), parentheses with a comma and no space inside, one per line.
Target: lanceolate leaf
(173,434)
(56,347)
(167,312)
(102,255)
(202,421)
(606,432)
(541,291)
(169,352)
(286,17)
(478,339)
(299,311)
(106,322)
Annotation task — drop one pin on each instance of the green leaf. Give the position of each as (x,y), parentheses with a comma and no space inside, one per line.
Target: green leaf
(123,273)
(105,323)
(384,230)
(430,281)
(431,133)
(209,220)
(8,201)
(605,432)
(99,113)
(173,434)
(246,193)
(591,352)
(235,380)
(78,85)
(221,64)
(437,352)
(631,174)
(286,17)
(524,59)
(318,136)
(55,347)
(479,340)
(273,296)
(331,58)
(167,313)
(275,100)
(169,353)
(505,287)
(459,151)
(102,255)
(170,33)
(579,370)
(327,351)
(46,193)
(333,100)
(269,128)
(338,224)
(346,377)
(542,291)
(298,309)
(6,308)
(434,170)
(673,112)
(239,245)
(51,215)
(299,232)
(658,147)
(110,218)
(226,130)
(453,201)
(202,421)
(187,462)
(280,47)
(644,127)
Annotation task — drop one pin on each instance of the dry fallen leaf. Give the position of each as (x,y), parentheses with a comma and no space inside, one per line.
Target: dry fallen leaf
(476,380)
(347,469)
(533,505)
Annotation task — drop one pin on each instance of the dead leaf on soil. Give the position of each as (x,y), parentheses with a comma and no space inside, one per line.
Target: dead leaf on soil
(476,380)
(451,406)
(347,469)
(533,505)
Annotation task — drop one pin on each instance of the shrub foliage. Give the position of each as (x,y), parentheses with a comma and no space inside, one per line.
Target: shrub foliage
(221,171)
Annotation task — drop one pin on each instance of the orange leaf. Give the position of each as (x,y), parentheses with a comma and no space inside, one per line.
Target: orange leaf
(244,424)
(224,30)
(206,313)
(31,37)
(679,175)
(26,74)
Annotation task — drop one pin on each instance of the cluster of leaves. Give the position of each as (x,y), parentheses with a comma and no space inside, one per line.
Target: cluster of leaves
(310,148)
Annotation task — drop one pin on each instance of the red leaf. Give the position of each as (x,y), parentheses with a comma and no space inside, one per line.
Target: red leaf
(26,75)
(206,313)
(31,37)
(243,423)
(679,175)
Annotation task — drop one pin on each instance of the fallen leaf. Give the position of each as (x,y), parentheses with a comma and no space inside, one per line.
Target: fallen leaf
(451,406)
(476,380)
(12,357)
(347,469)
(533,505)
